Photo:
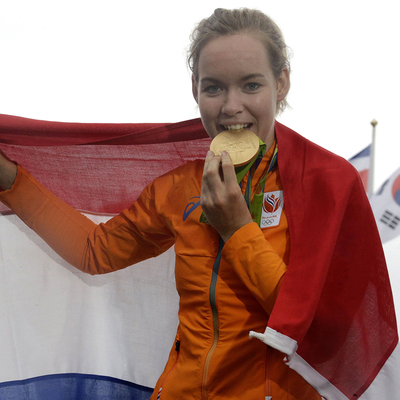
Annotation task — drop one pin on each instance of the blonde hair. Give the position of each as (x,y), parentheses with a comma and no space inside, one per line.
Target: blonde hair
(230,22)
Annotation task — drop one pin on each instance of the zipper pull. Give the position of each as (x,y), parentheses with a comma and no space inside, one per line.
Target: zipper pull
(177,345)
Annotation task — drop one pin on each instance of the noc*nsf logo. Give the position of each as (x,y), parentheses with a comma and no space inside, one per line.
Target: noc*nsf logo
(272,207)
(271,203)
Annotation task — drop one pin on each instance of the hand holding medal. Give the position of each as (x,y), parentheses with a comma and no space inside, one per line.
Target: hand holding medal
(221,197)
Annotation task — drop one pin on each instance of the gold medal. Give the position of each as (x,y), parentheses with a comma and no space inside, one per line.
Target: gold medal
(241,145)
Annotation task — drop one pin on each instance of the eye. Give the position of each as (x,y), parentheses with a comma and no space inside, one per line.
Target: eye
(212,89)
(252,86)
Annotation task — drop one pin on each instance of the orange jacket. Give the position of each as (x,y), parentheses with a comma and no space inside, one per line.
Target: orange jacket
(213,357)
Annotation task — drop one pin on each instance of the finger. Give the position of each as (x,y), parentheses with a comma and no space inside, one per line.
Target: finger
(210,156)
(211,167)
(228,169)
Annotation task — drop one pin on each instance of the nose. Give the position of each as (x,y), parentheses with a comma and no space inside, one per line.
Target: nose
(232,103)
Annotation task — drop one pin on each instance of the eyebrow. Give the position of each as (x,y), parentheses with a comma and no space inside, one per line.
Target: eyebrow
(207,80)
(252,76)
(244,78)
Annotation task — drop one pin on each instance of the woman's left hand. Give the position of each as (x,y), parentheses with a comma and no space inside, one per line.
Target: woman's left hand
(221,197)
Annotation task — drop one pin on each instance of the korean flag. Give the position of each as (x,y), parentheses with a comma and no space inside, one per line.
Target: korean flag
(385,204)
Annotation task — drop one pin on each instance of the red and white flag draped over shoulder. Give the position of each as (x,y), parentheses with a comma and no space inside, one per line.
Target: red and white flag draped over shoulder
(334,317)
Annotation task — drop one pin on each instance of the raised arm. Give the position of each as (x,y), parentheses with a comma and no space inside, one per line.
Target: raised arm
(123,240)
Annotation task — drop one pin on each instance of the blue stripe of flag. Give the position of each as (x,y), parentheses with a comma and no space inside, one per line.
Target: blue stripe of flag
(73,387)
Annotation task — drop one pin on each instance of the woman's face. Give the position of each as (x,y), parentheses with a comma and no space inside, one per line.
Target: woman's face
(236,87)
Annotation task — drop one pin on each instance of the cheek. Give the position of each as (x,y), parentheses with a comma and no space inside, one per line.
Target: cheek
(209,107)
(265,107)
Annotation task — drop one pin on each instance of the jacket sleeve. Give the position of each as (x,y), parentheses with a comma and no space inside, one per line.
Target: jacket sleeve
(136,234)
(256,263)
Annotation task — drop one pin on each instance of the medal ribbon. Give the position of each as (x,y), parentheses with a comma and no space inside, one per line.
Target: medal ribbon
(255,206)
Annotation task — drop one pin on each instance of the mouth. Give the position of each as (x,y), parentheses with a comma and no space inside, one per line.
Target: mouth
(237,127)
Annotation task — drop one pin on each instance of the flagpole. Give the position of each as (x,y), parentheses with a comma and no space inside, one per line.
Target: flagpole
(374,122)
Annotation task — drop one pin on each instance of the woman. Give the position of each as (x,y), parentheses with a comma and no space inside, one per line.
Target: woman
(229,268)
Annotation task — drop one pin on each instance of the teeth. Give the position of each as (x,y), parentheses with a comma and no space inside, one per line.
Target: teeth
(236,127)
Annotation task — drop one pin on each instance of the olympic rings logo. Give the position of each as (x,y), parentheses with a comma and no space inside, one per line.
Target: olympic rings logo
(267,222)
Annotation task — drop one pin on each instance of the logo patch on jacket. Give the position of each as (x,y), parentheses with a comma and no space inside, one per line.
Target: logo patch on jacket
(271,209)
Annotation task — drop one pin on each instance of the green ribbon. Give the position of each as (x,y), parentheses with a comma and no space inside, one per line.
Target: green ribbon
(255,206)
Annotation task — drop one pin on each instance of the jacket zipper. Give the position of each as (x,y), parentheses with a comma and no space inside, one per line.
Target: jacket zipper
(215,318)
(177,346)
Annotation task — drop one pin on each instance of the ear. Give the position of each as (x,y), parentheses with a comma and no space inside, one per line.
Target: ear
(195,89)
(283,84)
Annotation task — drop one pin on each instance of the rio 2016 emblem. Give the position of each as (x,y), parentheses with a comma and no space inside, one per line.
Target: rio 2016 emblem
(271,209)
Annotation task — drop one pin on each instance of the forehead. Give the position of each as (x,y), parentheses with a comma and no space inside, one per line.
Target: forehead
(234,54)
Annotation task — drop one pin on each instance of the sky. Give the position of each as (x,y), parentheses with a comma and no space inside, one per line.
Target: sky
(124,61)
